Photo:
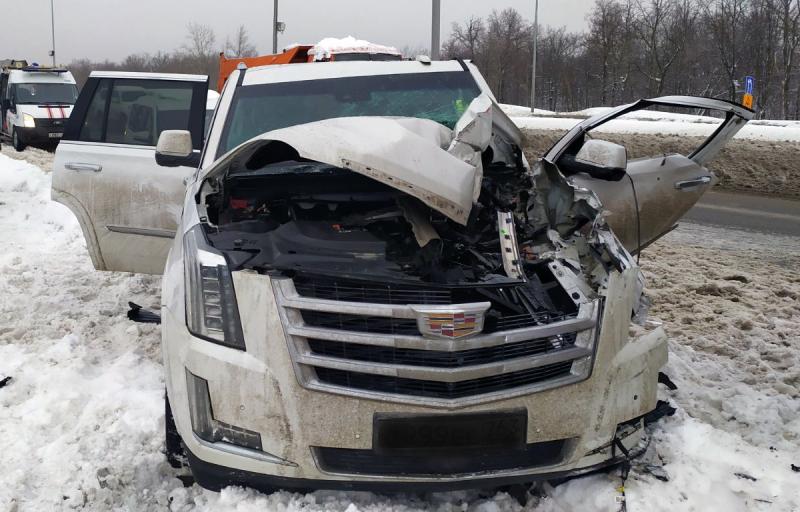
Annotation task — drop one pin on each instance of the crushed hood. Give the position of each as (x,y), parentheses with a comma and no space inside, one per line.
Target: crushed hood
(422,158)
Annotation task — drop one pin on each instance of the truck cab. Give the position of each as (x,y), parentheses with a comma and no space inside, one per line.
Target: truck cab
(35,103)
(365,283)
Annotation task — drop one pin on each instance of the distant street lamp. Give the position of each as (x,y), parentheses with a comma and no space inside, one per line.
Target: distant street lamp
(53,32)
(535,50)
(436,26)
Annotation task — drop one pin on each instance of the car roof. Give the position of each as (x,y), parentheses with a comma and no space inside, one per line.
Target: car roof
(43,76)
(149,76)
(281,73)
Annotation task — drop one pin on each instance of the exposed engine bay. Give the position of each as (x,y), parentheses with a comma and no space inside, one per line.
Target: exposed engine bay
(274,209)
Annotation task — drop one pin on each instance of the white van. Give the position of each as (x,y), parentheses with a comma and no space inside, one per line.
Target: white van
(36,102)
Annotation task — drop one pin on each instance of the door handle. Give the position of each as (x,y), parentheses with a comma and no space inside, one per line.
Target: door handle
(73,166)
(695,182)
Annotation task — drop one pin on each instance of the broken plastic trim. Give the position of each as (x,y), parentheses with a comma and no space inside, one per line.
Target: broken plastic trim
(142,316)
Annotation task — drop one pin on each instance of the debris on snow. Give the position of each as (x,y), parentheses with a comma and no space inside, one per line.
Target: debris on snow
(137,314)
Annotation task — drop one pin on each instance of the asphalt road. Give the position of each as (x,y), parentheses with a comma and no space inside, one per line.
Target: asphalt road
(749,212)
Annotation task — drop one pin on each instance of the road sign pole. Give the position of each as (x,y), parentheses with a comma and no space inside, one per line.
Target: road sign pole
(436,27)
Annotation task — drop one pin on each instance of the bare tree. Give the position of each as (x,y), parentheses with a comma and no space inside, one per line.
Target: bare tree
(661,26)
(606,29)
(240,46)
(789,15)
(725,19)
(200,41)
(466,39)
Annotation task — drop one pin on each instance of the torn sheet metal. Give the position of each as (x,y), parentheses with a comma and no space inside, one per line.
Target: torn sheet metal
(440,167)
(385,150)
(471,137)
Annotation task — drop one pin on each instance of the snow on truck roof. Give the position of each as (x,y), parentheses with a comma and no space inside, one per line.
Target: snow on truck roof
(281,73)
(331,46)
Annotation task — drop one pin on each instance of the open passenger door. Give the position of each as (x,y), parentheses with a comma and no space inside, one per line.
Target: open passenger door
(649,194)
(105,169)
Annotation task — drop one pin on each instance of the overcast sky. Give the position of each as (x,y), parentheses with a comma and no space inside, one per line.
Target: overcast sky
(112,29)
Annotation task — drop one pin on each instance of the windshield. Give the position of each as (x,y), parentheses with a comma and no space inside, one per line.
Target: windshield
(256,109)
(44,93)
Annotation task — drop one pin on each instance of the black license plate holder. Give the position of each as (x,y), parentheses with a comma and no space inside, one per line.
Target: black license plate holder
(394,434)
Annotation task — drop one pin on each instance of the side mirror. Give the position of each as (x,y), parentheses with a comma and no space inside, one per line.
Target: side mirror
(174,149)
(604,155)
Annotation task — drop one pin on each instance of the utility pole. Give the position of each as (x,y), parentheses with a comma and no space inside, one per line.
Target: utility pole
(535,51)
(53,32)
(275,28)
(436,28)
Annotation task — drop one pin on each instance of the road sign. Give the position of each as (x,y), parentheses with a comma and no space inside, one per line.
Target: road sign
(749,85)
(747,101)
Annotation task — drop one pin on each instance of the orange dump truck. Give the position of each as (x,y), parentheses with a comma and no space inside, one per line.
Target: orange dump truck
(325,51)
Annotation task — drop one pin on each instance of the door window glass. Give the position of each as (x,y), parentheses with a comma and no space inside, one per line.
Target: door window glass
(140,110)
(93,123)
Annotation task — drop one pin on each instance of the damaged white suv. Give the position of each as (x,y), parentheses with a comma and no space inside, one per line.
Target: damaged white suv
(369,287)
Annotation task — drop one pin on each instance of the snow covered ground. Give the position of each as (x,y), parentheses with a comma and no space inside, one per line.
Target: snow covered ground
(653,122)
(82,418)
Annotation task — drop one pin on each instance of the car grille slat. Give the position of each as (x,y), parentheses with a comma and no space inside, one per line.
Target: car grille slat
(436,389)
(437,359)
(361,323)
(364,339)
(321,288)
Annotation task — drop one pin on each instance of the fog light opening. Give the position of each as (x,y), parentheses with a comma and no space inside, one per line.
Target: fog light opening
(209,429)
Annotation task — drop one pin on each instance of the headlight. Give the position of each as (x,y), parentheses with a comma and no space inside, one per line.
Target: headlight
(211,310)
(28,121)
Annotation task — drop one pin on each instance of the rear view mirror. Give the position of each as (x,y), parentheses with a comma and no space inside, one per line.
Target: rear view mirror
(174,149)
(603,154)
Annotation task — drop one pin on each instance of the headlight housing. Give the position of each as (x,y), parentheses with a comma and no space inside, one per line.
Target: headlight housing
(28,121)
(211,309)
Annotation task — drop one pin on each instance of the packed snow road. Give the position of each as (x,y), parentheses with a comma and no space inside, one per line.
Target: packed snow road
(81,417)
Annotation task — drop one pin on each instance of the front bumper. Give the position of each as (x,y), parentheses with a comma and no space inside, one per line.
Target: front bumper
(259,390)
(215,478)
(40,135)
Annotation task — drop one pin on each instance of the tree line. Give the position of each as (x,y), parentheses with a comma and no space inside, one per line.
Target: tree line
(198,55)
(629,50)
(643,48)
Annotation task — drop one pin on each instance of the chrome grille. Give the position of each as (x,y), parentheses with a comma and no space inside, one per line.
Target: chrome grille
(412,357)
(436,389)
(374,350)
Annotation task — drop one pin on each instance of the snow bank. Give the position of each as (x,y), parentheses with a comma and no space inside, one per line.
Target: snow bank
(82,419)
(519,111)
(650,122)
(330,46)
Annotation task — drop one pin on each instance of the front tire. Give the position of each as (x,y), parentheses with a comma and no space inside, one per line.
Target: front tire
(16,142)
(176,455)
